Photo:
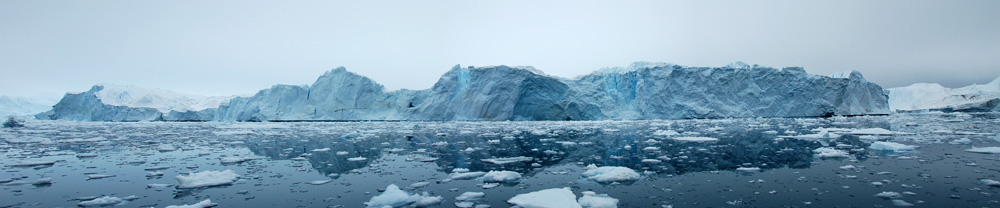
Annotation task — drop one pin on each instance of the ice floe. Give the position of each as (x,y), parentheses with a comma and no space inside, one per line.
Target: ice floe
(548,198)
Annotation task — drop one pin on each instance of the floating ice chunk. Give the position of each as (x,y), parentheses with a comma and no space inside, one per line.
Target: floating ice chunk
(666,133)
(395,197)
(651,161)
(470,196)
(99,202)
(611,174)
(901,203)
(321,150)
(231,160)
(465,176)
(984,150)
(43,181)
(203,204)
(156,168)
(548,198)
(651,149)
(501,176)
(888,195)
(696,139)
(342,153)
(460,170)
(748,169)
(86,155)
(961,141)
(991,182)
(823,134)
(848,167)
(877,131)
(319,182)
(891,146)
(357,159)
(98,176)
(32,163)
(206,179)
(829,152)
(420,184)
(506,160)
(593,200)
(158,185)
(490,185)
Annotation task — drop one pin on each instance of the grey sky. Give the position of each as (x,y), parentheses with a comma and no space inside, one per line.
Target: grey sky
(239,47)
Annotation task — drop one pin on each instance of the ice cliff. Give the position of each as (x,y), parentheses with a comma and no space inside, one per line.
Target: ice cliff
(932,96)
(640,91)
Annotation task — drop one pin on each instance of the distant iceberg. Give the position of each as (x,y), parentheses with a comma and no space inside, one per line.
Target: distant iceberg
(642,90)
(932,96)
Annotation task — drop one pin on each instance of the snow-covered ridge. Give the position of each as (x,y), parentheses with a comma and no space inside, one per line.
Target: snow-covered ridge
(933,96)
(22,106)
(159,99)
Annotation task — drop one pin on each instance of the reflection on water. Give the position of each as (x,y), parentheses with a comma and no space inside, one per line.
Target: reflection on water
(287,164)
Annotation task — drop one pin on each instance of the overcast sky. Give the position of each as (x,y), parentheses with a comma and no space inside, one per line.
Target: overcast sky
(239,47)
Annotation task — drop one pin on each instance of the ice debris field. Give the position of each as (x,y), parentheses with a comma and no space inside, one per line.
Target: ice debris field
(905,159)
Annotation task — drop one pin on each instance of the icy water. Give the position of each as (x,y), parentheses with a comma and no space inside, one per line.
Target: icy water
(288,164)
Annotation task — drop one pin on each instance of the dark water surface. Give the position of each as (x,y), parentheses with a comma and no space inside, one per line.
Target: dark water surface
(286,157)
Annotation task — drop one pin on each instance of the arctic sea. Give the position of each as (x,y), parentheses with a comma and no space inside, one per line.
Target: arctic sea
(915,159)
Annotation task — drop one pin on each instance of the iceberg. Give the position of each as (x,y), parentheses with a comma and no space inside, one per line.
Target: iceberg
(107,102)
(494,93)
(932,96)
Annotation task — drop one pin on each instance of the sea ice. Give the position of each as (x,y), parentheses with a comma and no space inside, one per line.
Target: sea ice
(466,176)
(888,195)
(206,179)
(611,174)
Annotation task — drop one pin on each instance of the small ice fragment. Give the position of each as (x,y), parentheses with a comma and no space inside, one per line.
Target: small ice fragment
(470,196)
(419,184)
(465,176)
(891,146)
(357,159)
(203,204)
(548,198)
(395,197)
(98,176)
(32,163)
(206,179)
(319,182)
(103,201)
(829,152)
(43,181)
(593,200)
(991,182)
(321,150)
(888,195)
(611,174)
(501,176)
(984,150)
(506,160)
(695,139)
(901,203)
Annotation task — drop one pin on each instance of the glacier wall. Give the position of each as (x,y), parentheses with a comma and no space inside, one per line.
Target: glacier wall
(639,91)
